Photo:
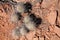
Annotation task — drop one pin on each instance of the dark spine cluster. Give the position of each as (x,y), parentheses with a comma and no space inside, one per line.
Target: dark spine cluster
(36,20)
(28,7)
(19,15)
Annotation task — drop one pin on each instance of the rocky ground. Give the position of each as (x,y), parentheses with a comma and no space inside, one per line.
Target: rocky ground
(47,29)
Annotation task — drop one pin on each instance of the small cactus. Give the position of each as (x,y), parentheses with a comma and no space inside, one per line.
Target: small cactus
(15,17)
(19,7)
(29,24)
(19,31)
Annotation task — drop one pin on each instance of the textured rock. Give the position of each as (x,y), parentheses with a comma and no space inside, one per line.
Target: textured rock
(51,17)
(49,29)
